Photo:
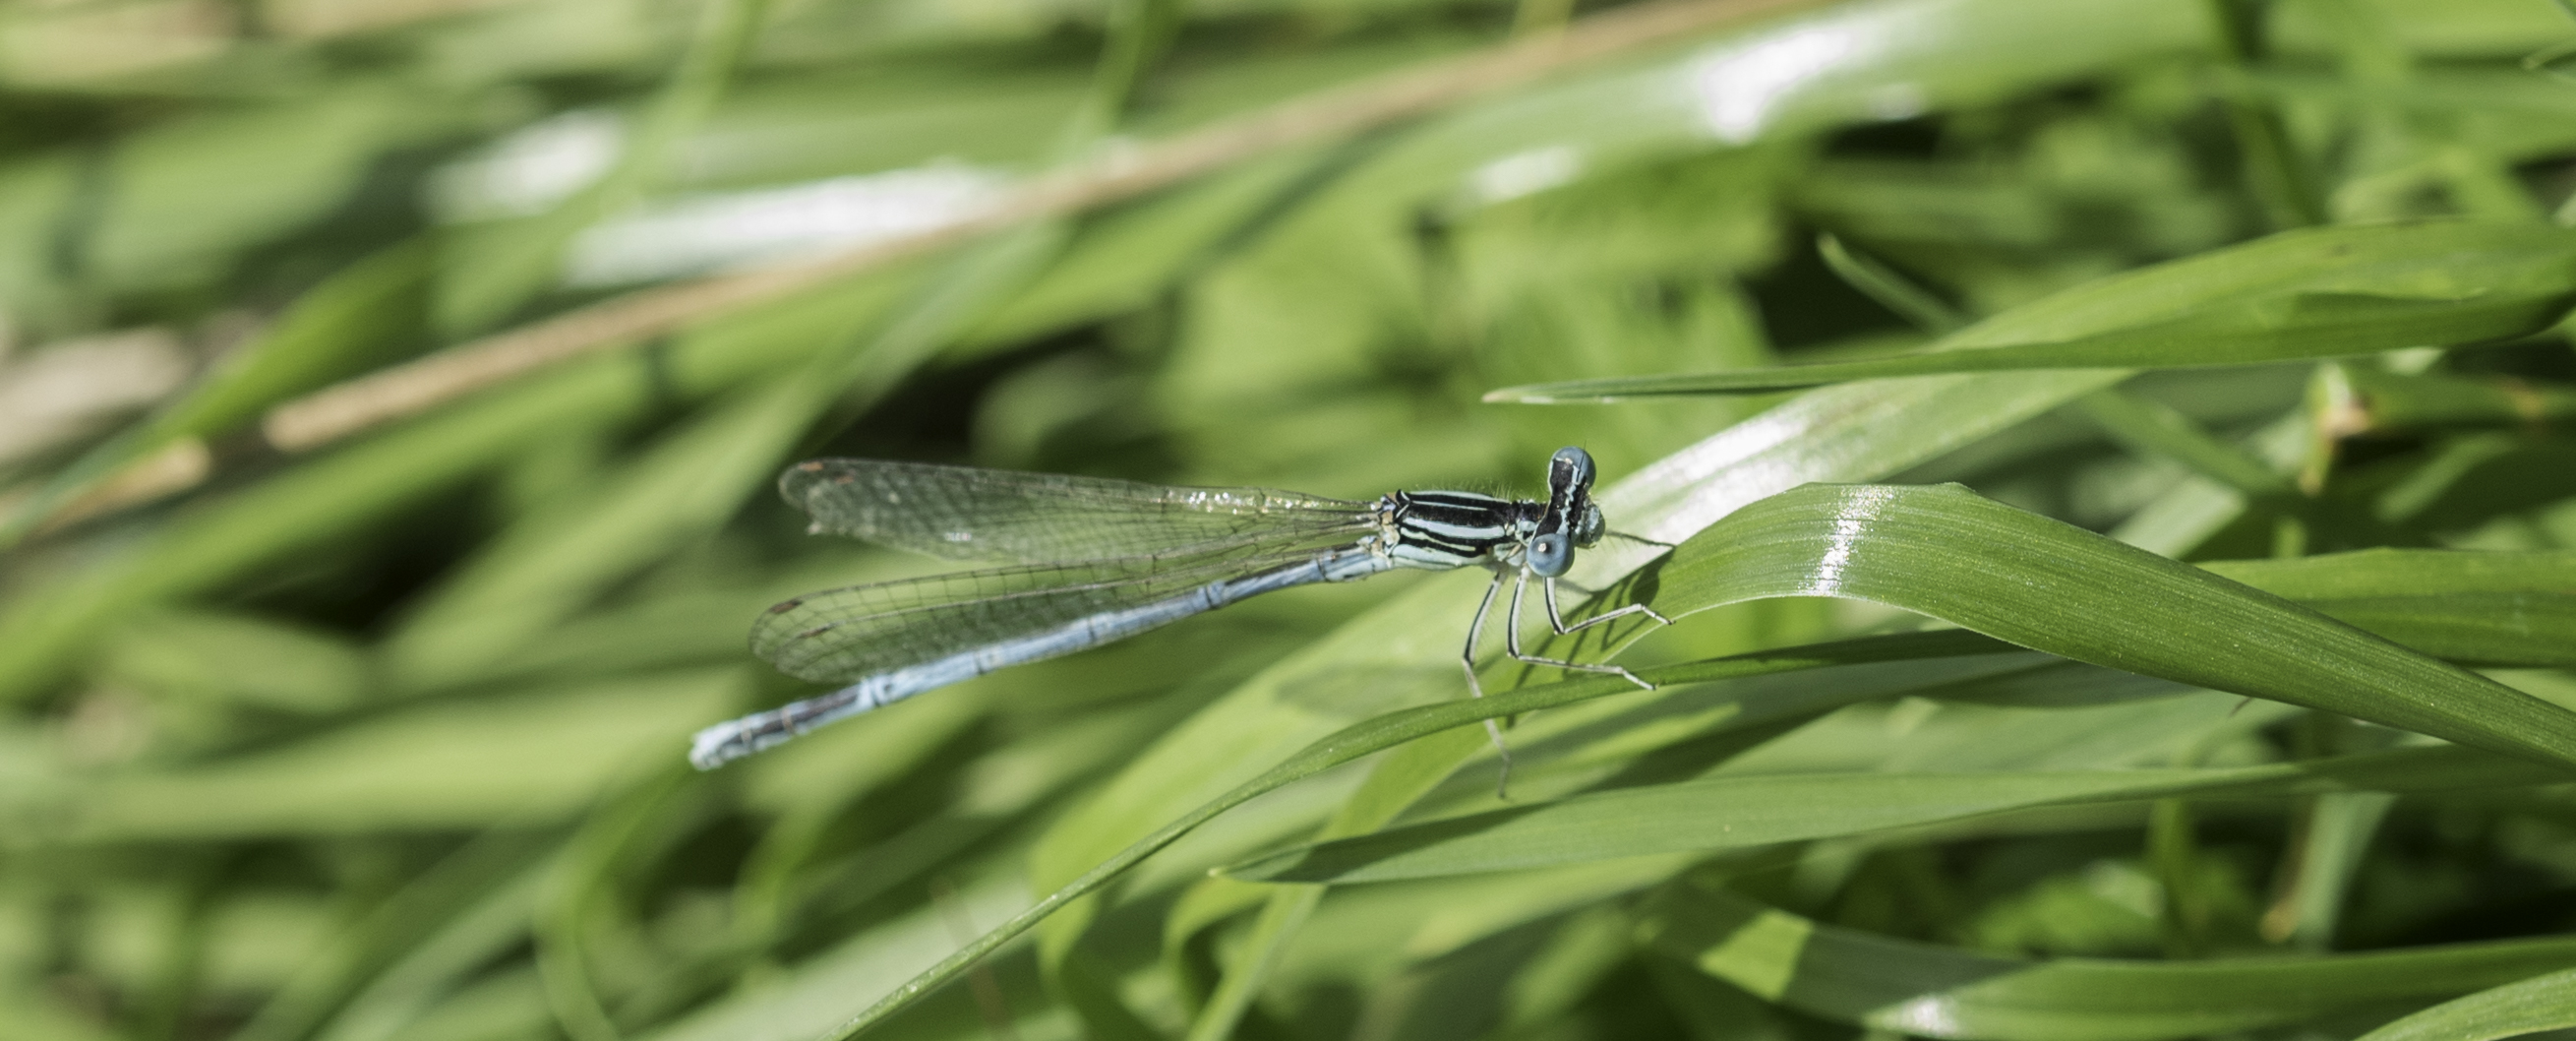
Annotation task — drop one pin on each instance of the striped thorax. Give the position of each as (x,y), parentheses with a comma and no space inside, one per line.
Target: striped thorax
(1441,530)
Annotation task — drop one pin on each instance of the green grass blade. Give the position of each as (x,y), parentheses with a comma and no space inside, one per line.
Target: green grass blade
(330,979)
(553,563)
(1738,812)
(1889,288)
(2503,608)
(445,765)
(1398,781)
(2313,293)
(1933,991)
(1950,554)
(2544,1002)
(2159,430)
(1366,738)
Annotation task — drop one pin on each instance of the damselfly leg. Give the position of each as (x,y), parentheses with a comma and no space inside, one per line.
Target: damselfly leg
(1476,687)
(1519,578)
(1556,621)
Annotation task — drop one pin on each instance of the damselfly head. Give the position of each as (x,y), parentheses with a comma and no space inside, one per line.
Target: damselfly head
(1571,520)
(1569,472)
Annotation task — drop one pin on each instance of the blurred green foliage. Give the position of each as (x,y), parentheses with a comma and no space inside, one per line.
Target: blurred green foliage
(382,741)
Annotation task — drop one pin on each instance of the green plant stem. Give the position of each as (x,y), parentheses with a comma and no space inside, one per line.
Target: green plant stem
(2174,852)
(1890,288)
(2273,169)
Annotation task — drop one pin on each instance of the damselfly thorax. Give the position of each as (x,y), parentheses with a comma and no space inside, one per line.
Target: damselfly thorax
(1101,560)
(1443,530)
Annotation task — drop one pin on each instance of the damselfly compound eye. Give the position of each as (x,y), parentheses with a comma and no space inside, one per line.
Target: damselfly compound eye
(1590,529)
(1550,556)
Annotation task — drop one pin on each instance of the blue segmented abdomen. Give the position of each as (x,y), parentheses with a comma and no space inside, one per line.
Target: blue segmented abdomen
(728,741)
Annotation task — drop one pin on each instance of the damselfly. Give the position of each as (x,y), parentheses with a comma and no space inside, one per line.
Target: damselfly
(1102,560)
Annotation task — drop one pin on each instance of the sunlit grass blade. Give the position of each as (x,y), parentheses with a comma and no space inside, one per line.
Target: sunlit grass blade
(2499,607)
(1398,781)
(2306,294)
(2544,1002)
(1950,554)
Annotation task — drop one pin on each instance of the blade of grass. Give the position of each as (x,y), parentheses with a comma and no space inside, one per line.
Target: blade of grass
(1354,742)
(1736,812)
(331,978)
(1892,290)
(2543,1002)
(1948,553)
(2486,608)
(1927,990)
(2159,430)
(2312,293)
(1397,782)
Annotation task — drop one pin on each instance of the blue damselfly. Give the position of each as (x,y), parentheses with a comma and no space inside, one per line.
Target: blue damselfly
(1102,560)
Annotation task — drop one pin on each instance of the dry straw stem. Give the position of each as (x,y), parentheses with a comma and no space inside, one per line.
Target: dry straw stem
(1117,174)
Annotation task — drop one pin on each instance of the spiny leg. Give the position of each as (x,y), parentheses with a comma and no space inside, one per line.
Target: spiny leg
(1574,585)
(1512,639)
(1556,620)
(1467,660)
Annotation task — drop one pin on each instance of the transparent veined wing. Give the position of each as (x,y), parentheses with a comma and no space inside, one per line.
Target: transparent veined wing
(842,635)
(968,513)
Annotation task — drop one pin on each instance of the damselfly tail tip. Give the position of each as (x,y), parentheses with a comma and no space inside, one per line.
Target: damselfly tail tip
(720,744)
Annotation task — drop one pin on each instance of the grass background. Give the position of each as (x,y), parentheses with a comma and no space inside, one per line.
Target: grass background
(373,731)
